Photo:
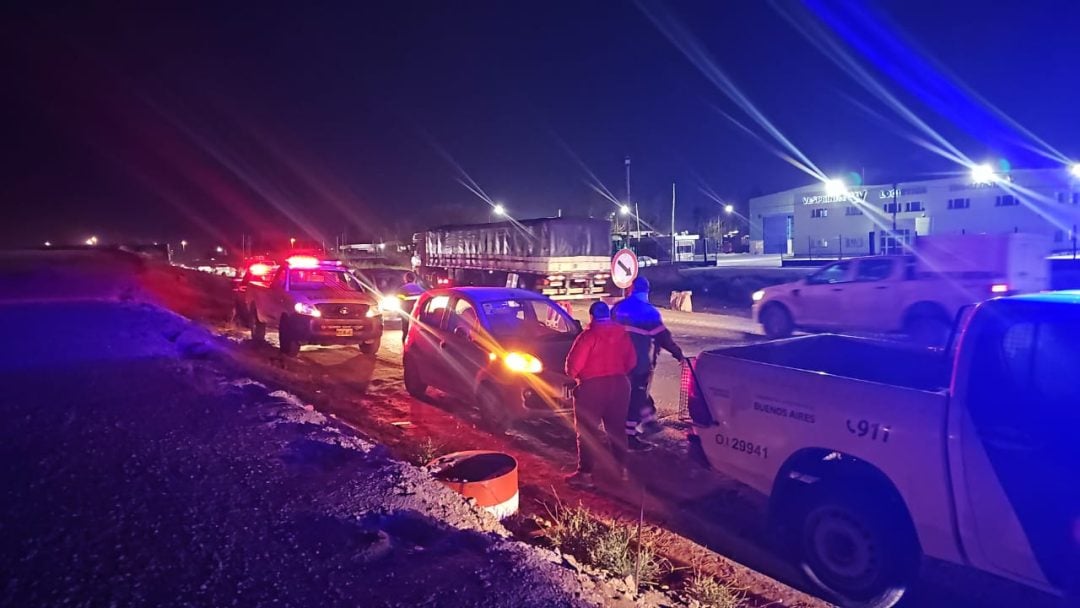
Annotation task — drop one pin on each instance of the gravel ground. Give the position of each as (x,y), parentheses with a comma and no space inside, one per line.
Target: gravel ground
(138,468)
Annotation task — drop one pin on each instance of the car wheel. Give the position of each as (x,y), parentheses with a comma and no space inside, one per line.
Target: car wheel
(856,553)
(776,321)
(287,340)
(413,384)
(258,329)
(370,348)
(493,408)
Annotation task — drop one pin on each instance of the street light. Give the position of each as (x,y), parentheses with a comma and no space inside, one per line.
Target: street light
(982,174)
(292,243)
(835,187)
(220,249)
(1075,170)
(729,209)
(624,209)
(499,209)
(183,246)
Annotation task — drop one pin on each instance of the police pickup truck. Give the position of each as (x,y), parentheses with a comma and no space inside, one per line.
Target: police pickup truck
(876,455)
(313,301)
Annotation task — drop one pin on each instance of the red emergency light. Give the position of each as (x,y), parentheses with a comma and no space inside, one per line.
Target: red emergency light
(999,288)
(303,261)
(258,269)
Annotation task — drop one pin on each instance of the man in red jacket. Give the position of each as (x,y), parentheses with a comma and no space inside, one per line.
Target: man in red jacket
(600,361)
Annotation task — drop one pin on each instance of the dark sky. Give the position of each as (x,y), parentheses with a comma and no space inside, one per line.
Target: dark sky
(204,124)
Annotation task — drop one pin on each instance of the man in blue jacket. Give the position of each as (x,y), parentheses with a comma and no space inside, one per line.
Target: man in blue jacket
(646,328)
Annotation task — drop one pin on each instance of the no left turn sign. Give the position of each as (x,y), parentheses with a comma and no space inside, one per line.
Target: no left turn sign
(624,268)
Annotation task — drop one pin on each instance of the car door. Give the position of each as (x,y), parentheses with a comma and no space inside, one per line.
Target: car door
(819,302)
(427,336)
(467,346)
(1018,500)
(870,300)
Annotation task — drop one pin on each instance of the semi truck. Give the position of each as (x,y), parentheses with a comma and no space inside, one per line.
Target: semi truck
(562,258)
(875,455)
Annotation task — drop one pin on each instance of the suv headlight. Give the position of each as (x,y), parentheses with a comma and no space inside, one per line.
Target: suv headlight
(304,308)
(522,363)
(390,304)
(758,295)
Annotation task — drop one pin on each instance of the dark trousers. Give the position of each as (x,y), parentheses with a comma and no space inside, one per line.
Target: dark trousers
(601,401)
(641,407)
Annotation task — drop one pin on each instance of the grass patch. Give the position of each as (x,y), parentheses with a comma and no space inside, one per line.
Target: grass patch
(425,451)
(713,593)
(610,546)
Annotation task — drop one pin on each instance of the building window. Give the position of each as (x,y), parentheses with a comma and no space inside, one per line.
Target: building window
(823,243)
(959,203)
(854,243)
(852,211)
(891,207)
(819,213)
(914,206)
(1006,200)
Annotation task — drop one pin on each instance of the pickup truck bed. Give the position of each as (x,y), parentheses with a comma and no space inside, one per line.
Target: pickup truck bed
(850,357)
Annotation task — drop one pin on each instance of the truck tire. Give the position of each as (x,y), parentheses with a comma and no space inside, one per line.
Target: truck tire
(857,552)
(258,329)
(370,348)
(776,321)
(287,339)
(242,316)
(413,384)
(493,408)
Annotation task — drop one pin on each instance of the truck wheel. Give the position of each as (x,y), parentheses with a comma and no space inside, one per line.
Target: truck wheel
(370,348)
(493,408)
(776,321)
(242,316)
(853,550)
(413,384)
(290,346)
(258,329)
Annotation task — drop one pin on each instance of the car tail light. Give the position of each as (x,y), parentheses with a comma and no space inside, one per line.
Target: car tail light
(303,261)
(692,405)
(999,288)
(443,281)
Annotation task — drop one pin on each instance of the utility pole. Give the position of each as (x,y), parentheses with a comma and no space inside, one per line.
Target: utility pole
(637,213)
(672,222)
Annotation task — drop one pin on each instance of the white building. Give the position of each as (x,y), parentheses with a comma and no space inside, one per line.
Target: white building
(807,222)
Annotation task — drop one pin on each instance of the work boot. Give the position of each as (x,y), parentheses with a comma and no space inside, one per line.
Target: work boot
(581,481)
(651,427)
(637,445)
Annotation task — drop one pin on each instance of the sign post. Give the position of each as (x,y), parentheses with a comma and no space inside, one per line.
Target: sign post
(624,268)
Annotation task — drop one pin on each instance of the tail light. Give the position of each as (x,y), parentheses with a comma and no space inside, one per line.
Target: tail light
(442,281)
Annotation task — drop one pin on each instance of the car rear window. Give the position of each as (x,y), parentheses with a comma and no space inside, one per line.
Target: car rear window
(317,279)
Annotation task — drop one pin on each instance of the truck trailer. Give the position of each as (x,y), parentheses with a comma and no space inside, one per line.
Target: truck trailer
(562,258)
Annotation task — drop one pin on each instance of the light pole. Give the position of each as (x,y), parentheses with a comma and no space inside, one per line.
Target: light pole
(637,214)
(183,246)
(292,242)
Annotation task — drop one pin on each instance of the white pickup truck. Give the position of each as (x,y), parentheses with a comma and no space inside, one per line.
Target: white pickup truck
(917,294)
(312,301)
(876,454)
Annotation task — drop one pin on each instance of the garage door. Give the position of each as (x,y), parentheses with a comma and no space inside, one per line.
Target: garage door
(775,233)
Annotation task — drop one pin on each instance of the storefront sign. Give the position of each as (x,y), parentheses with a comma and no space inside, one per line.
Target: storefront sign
(850,196)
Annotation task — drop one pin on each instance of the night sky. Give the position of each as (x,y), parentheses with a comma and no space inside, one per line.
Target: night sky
(156,124)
